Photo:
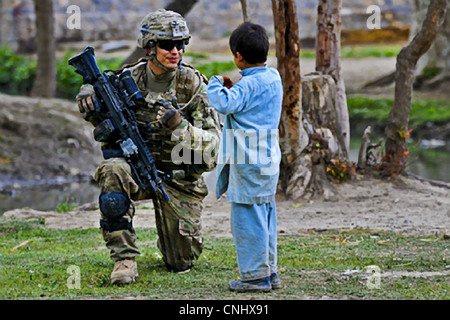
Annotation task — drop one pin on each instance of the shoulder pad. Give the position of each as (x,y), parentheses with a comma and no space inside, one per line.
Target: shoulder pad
(188,82)
(196,74)
(138,72)
(136,69)
(131,66)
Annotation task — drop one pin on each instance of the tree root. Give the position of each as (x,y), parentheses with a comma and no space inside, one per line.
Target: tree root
(435,183)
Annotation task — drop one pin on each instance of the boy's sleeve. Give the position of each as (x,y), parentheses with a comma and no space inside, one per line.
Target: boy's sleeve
(225,100)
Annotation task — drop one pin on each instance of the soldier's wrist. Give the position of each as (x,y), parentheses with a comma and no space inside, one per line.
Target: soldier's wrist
(180,129)
(182,125)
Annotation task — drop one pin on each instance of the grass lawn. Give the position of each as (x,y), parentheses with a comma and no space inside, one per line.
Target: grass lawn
(39,263)
(378,109)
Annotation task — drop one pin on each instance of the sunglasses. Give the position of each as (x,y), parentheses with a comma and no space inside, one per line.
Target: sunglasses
(168,45)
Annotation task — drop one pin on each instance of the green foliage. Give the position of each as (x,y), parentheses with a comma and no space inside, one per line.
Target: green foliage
(196,55)
(341,170)
(368,51)
(202,63)
(66,207)
(216,68)
(422,110)
(432,110)
(17,73)
(367,108)
(429,72)
(68,82)
(307,54)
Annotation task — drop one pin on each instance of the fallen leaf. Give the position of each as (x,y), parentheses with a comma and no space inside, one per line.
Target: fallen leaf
(347,242)
(383,242)
(430,240)
(296,205)
(19,246)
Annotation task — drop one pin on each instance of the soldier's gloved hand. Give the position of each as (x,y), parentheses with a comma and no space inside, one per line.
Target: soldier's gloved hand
(86,99)
(169,116)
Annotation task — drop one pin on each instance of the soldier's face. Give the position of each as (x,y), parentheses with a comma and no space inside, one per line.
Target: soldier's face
(169,58)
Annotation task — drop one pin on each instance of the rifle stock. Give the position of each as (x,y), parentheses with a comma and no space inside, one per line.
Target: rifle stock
(86,65)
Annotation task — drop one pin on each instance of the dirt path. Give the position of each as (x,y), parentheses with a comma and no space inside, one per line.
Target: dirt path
(406,206)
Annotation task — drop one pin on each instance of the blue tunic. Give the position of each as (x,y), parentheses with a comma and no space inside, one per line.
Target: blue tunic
(249,157)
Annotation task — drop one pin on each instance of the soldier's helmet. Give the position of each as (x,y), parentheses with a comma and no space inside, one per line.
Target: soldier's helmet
(163,25)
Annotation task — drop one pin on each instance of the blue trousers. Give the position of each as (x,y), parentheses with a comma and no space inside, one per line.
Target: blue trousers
(254,229)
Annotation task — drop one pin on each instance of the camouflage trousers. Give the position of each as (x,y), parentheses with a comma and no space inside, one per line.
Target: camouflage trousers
(178,221)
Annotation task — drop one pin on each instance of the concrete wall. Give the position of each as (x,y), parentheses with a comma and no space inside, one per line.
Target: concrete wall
(117,19)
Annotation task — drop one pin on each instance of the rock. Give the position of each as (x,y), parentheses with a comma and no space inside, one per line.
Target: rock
(115,46)
(45,138)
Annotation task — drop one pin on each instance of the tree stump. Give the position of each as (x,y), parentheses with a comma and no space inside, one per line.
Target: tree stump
(320,140)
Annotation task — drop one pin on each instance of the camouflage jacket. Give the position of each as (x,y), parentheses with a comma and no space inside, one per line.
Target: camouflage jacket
(196,140)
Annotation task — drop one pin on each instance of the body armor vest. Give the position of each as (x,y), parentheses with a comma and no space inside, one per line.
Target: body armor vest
(184,86)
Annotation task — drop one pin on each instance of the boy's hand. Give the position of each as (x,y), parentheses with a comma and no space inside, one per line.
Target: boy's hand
(227,83)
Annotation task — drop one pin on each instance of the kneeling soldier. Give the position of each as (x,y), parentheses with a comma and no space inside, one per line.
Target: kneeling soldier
(160,76)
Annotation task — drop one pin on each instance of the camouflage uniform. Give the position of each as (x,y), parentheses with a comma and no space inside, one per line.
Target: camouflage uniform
(178,221)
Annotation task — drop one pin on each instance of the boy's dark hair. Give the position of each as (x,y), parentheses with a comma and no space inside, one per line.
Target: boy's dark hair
(251,41)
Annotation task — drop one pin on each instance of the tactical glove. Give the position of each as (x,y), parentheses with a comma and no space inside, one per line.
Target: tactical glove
(169,116)
(86,99)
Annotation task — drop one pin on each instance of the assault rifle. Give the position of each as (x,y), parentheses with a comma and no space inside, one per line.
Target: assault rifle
(116,97)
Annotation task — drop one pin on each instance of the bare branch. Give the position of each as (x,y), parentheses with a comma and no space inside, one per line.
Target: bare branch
(404,76)
(244,10)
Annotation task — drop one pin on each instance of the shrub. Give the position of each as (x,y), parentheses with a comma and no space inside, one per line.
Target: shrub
(216,68)
(69,82)
(17,73)
(422,110)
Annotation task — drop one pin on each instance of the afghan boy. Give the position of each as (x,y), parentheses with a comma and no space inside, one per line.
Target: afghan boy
(249,158)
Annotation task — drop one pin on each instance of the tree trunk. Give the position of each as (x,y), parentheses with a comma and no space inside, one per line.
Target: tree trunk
(244,10)
(437,58)
(309,134)
(288,55)
(180,6)
(1,21)
(45,83)
(397,124)
(328,59)
(323,143)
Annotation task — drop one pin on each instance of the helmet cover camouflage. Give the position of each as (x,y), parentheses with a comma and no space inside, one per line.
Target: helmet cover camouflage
(162,25)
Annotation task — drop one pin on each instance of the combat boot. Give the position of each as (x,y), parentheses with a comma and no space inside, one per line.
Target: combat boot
(125,272)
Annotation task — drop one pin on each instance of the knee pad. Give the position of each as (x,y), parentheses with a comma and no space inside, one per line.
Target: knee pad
(114,206)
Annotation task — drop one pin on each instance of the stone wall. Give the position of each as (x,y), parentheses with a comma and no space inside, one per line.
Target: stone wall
(116,20)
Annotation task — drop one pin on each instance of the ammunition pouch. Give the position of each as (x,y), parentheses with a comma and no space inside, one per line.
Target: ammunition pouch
(108,154)
(103,131)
